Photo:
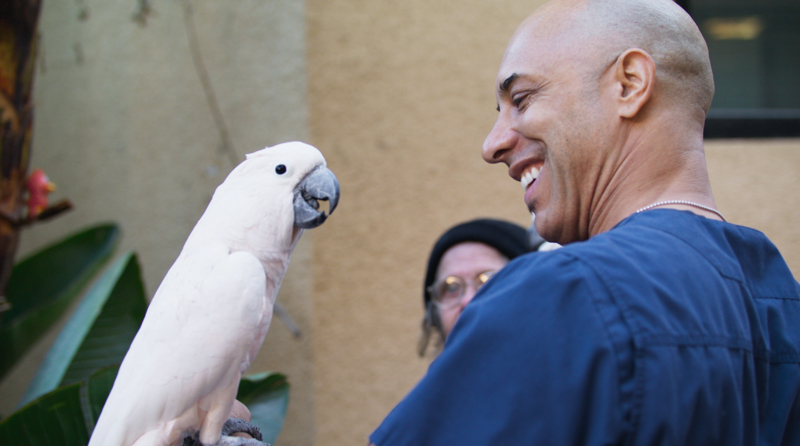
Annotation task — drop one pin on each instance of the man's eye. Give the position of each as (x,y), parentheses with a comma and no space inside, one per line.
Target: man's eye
(452,288)
(523,99)
(519,100)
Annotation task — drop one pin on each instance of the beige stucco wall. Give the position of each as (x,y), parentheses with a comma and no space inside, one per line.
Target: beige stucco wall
(397,94)
(401,97)
(755,184)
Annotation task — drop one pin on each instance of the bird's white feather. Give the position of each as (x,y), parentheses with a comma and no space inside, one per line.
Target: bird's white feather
(208,318)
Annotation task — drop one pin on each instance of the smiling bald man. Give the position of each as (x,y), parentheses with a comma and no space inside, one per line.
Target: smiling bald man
(659,323)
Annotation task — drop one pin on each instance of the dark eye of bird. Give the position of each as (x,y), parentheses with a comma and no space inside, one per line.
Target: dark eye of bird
(280,169)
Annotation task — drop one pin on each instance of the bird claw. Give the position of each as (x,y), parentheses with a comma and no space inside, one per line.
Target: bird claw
(232,426)
(238,441)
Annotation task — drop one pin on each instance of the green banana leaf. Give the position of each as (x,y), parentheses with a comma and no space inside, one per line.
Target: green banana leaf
(97,387)
(99,332)
(267,397)
(54,419)
(65,416)
(42,286)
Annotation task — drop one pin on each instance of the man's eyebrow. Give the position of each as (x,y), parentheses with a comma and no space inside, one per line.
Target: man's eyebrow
(506,84)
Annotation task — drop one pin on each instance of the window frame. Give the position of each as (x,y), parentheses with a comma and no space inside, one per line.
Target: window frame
(749,122)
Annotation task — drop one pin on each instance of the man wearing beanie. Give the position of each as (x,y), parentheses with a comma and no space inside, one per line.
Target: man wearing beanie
(475,249)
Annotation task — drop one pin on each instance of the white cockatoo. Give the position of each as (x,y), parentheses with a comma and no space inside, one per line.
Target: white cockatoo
(208,318)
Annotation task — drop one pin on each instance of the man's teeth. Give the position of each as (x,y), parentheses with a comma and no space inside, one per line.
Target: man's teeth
(528,178)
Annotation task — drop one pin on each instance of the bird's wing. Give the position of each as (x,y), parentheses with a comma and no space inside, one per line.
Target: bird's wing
(200,332)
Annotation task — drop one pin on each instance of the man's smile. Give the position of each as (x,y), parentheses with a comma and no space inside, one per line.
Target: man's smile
(528,177)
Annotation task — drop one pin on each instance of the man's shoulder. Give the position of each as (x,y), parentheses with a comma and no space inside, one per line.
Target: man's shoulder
(616,250)
(653,260)
(674,239)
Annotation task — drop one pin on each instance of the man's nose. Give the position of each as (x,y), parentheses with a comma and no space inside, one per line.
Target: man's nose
(469,293)
(499,142)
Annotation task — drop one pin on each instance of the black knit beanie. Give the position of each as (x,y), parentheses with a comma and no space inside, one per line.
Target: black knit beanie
(510,239)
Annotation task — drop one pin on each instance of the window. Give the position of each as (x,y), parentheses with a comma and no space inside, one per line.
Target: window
(754,46)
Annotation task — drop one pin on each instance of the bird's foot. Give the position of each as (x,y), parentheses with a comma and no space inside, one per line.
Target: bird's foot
(233,426)
(238,441)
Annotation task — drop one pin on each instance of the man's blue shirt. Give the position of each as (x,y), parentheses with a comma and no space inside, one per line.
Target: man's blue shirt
(670,329)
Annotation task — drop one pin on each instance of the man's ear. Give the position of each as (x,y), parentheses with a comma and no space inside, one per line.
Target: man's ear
(635,73)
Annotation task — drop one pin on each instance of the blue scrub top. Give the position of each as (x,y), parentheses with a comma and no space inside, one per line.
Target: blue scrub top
(670,329)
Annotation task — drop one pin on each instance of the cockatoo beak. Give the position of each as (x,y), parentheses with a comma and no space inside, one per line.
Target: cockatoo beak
(319,185)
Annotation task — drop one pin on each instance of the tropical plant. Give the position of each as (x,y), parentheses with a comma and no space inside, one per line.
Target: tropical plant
(64,399)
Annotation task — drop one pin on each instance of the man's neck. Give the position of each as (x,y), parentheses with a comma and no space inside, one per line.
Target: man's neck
(643,178)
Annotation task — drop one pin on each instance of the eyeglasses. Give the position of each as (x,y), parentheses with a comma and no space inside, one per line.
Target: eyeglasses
(449,291)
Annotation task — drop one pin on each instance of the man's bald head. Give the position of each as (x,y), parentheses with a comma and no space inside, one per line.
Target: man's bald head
(601,110)
(601,30)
